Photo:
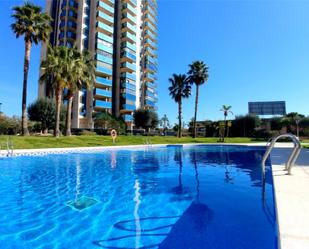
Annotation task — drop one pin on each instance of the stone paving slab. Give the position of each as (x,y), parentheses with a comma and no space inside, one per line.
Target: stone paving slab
(292,199)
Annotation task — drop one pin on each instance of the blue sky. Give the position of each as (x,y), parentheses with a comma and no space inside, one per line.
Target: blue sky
(256,51)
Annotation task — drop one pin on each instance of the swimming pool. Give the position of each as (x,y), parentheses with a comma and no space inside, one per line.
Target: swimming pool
(161,197)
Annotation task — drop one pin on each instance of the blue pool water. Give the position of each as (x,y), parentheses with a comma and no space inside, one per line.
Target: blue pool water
(190,197)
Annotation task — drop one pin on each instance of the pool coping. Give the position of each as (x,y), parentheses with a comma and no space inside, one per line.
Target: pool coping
(286,235)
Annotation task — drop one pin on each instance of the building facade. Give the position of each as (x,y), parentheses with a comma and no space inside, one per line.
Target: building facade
(122,34)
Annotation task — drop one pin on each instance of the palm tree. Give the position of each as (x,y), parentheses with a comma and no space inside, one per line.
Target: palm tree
(226,109)
(198,75)
(179,89)
(54,73)
(30,22)
(81,74)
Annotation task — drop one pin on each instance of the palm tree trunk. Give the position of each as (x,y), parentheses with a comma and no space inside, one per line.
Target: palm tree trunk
(69,115)
(224,128)
(58,108)
(195,111)
(179,118)
(24,123)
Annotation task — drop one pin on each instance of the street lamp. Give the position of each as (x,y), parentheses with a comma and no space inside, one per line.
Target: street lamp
(0,108)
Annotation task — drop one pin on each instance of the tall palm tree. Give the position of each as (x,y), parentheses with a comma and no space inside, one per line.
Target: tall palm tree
(54,72)
(81,74)
(198,75)
(179,89)
(34,25)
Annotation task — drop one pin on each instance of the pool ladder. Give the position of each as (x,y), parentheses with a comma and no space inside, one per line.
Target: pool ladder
(8,146)
(294,155)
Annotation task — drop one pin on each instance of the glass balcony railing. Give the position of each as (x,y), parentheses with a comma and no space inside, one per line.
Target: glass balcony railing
(128,86)
(103,104)
(103,93)
(129,76)
(128,45)
(105,48)
(104,37)
(130,27)
(104,70)
(130,36)
(151,85)
(105,27)
(103,81)
(103,58)
(129,107)
(150,103)
(129,7)
(106,7)
(129,97)
(105,16)
(128,55)
(128,65)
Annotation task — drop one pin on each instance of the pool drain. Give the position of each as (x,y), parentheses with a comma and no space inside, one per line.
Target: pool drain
(82,203)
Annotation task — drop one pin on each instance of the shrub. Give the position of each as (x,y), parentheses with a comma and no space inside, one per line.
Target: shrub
(9,125)
(105,121)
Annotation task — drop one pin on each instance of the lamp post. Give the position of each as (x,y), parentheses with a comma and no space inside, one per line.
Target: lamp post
(0,108)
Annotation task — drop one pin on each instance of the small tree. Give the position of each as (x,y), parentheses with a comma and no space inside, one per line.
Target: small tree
(104,120)
(43,110)
(145,119)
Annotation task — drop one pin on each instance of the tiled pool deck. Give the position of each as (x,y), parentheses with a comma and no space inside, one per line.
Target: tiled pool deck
(291,191)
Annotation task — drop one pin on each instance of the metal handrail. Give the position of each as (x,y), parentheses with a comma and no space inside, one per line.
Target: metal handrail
(294,155)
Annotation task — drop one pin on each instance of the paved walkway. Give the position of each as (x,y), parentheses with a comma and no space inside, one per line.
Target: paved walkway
(292,198)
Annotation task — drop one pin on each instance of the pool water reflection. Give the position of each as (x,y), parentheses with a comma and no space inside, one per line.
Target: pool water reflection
(164,197)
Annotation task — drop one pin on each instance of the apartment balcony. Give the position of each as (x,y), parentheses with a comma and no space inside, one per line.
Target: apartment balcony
(104,71)
(127,36)
(150,68)
(127,67)
(149,35)
(149,18)
(128,86)
(105,59)
(150,51)
(103,81)
(127,17)
(149,76)
(126,7)
(104,93)
(103,17)
(103,104)
(111,3)
(150,103)
(128,27)
(127,57)
(128,45)
(150,59)
(106,8)
(128,76)
(151,85)
(105,37)
(148,42)
(147,9)
(105,48)
(128,96)
(105,28)
(128,108)
(151,94)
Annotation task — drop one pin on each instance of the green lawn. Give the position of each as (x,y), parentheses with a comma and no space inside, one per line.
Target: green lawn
(86,141)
